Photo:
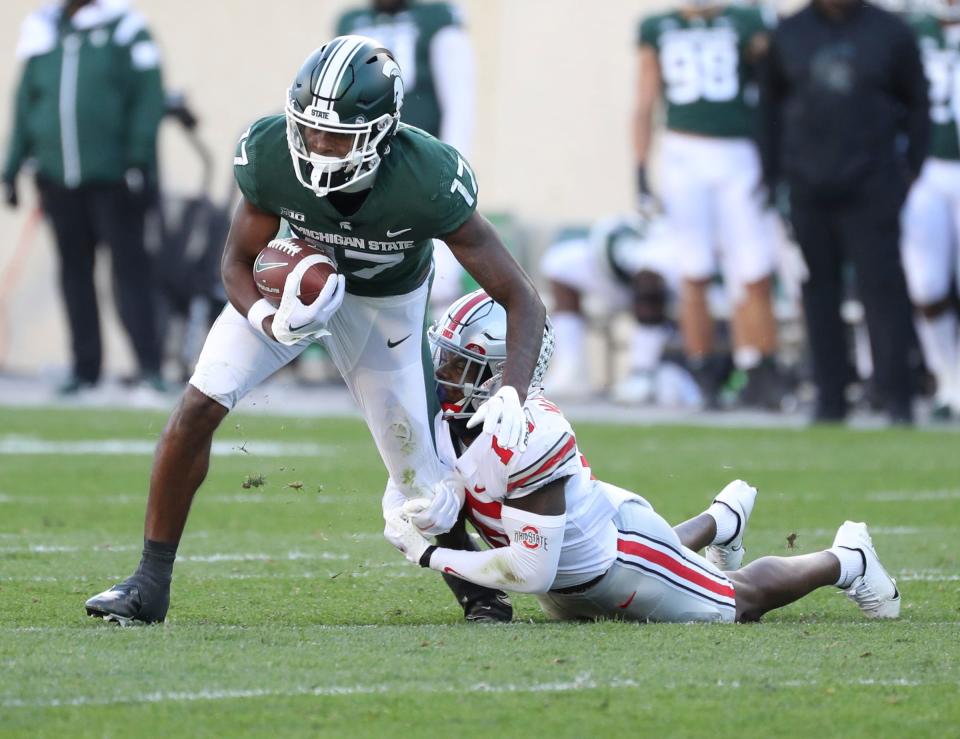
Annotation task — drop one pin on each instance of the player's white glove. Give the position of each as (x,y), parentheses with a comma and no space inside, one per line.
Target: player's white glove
(502,416)
(295,321)
(438,514)
(405,536)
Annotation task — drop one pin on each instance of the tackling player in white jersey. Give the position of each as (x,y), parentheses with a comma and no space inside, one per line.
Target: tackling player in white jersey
(586,548)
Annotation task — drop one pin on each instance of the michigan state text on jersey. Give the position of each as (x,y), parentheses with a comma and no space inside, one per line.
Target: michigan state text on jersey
(338,167)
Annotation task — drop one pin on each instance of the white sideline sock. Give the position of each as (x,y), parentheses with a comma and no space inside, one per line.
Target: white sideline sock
(746,357)
(851,565)
(727,522)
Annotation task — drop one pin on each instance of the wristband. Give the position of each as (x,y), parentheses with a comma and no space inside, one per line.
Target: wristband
(427,553)
(258,311)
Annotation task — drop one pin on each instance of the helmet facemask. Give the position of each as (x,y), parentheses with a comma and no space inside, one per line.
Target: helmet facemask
(465,378)
(322,173)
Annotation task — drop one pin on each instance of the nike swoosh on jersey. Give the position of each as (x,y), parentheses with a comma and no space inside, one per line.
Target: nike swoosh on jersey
(391,234)
(264,266)
(391,343)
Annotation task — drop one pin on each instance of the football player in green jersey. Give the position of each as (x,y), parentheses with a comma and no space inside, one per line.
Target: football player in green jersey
(931,219)
(700,60)
(371,194)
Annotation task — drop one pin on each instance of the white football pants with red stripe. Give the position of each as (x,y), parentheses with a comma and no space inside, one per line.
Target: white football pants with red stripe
(379,346)
(654,578)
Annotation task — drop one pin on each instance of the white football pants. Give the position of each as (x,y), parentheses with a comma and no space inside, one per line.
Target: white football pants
(709,189)
(380,348)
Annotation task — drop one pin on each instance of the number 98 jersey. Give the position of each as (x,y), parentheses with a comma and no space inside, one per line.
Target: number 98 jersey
(423,189)
(705,72)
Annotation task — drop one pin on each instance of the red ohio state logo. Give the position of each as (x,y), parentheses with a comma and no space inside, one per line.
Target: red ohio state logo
(530,537)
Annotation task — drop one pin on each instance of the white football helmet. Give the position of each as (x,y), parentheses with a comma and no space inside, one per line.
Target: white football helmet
(474,329)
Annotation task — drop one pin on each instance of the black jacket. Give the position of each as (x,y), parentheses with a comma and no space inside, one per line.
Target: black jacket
(843,103)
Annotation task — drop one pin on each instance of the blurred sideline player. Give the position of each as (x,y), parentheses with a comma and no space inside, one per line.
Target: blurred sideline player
(700,60)
(931,218)
(586,548)
(430,43)
(624,263)
(371,194)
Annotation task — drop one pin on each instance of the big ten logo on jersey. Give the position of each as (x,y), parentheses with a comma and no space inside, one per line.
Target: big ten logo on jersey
(531,538)
(700,64)
(292,215)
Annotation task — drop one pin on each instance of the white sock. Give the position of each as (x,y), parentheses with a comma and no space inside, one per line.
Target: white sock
(746,357)
(568,366)
(646,347)
(851,565)
(728,522)
(938,337)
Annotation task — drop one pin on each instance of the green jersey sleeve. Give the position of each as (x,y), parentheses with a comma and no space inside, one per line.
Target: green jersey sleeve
(456,192)
(647,32)
(446,183)
(245,164)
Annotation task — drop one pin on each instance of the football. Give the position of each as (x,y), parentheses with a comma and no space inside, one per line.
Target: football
(278,258)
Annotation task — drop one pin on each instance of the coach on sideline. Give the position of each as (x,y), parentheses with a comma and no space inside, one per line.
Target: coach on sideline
(87,109)
(846,127)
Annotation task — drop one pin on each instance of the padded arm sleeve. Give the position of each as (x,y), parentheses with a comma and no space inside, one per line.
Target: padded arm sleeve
(528,565)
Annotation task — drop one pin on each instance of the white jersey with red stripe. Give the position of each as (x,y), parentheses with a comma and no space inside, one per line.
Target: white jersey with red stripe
(492,476)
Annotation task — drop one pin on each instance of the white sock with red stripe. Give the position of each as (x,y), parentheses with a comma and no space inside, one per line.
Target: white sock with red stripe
(852,565)
(728,522)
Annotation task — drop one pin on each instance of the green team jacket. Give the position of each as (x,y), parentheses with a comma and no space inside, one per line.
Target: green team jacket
(423,190)
(408,34)
(90,96)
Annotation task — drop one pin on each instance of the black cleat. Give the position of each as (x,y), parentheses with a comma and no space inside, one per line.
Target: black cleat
(135,599)
(495,610)
(767,387)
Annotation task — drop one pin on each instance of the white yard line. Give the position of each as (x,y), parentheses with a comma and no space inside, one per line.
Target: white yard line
(882,530)
(26,445)
(283,494)
(912,496)
(581,682)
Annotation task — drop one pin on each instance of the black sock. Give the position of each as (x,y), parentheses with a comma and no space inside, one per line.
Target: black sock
(157,560)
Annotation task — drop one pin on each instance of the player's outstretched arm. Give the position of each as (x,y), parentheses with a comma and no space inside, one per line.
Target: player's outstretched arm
(478,247)
(250,230)
(535,525)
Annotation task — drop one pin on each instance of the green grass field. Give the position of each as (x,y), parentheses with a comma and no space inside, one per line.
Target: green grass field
(292,617)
